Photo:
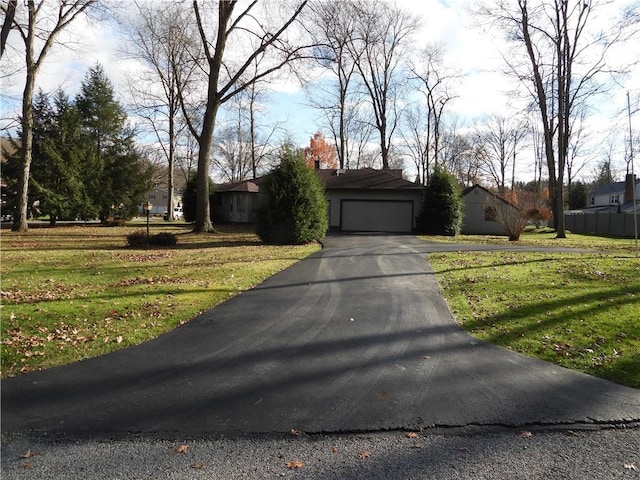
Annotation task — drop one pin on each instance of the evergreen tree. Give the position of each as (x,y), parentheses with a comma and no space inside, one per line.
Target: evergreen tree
(43,131)
(441,212)
(577,195)
(114,173)
(57,158)
(293,208)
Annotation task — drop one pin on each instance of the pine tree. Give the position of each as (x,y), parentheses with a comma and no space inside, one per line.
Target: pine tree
(293,208)
(441,212)
(58,154)
(114,173)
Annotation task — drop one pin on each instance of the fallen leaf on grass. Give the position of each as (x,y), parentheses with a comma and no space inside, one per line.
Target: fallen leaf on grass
(464,449)
(295,464)
(294,433)
(334,449)
(365,454)
(525,434)
(411,435)
(27,465)
(197,466)
(630,466)
(419,445)
(182,449)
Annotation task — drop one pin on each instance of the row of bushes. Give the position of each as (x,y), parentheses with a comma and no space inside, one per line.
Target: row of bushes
(139,239)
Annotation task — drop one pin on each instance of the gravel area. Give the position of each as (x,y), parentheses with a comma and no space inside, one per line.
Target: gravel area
(580,454)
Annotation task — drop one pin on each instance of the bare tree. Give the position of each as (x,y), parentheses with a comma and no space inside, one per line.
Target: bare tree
(383,34)
(333,25)
(251,104)
(578,155)
(563,61)
(186,157)
(232,159)
(160,36)
(436,82)
(226,71)
(39,29)
(500,138)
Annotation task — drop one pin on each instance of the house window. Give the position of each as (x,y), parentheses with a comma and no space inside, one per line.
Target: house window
(490,214)
(615,199)
(152,196)
(593,201)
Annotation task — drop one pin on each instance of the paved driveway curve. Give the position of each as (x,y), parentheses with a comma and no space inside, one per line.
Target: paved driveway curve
(354,338)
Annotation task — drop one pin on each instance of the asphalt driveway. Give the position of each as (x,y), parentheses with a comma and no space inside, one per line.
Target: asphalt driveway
(354,338)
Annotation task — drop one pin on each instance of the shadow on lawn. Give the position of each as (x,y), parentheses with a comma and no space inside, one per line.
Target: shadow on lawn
(566,312)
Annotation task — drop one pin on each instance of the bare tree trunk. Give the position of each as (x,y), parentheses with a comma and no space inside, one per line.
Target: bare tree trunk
(171,172)
(203,217)
(10,13)
(20,222)
(67,12)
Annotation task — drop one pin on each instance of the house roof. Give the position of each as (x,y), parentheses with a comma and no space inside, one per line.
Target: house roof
(335,179)
(468,190)
(251,186)
(365,178)
(610,188)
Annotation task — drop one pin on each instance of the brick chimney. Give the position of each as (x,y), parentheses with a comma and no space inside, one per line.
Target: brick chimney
(629,186)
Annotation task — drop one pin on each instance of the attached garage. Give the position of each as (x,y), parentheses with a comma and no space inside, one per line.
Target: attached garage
(377,216)
(363,200)
(368,200)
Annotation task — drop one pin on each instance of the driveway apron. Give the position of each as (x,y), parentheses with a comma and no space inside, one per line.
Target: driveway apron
(354,338)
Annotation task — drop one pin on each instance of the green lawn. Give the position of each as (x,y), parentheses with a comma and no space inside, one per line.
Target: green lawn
(76,292)
(578,310)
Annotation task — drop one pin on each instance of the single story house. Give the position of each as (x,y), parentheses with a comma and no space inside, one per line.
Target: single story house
(236,202)
(366,200)
(479,212)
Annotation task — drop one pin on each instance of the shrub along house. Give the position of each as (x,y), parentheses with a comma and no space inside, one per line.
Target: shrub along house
(365,200)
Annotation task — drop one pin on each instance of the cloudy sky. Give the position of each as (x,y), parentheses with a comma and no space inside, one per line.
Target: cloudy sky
(469,49)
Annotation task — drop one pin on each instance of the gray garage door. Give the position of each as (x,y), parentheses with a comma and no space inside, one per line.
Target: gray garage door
(377,216)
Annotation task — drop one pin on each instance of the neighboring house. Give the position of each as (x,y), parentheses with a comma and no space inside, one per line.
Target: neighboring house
(236,202)
(159,199)
(478,209)
(365,200)
(611,211)
(613,196)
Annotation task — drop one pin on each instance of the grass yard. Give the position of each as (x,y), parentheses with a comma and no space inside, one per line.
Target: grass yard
(70,293)
(581,311)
